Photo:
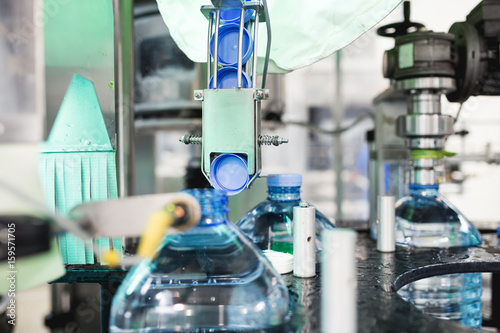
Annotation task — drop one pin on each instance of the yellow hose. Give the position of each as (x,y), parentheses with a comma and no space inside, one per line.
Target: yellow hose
(158,223)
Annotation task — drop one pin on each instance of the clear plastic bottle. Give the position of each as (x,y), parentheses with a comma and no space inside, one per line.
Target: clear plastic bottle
(451,297)
(269,224)
(426,219)
(210,278)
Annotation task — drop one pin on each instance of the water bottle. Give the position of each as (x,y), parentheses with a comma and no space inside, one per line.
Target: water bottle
(451,297)
(426,219)
(269,224)
(210,278)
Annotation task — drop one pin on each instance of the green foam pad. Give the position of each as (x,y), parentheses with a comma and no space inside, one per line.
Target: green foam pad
(78,164)
(79,125)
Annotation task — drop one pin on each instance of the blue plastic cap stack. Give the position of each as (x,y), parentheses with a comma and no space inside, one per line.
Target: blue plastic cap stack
(227,78)
(232,15)
(227,56)
(284,180)
(228,45)
(229,172)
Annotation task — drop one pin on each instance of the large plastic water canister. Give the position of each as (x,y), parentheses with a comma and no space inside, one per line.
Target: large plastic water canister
(426,219)
(210,278)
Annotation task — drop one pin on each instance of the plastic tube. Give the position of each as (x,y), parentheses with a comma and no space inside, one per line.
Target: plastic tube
(386,241)
(304,240)
(338,281)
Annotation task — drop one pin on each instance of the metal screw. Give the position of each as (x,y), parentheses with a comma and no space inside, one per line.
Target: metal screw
(198,95)
(191,139)
(261,94)
(268,140)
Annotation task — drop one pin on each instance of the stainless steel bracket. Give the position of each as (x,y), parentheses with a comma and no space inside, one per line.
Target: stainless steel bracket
(231,124)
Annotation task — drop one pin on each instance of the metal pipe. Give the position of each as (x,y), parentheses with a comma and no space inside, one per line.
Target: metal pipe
(248,67)
(209,60)
(338,116)
(268,47)
(124,94)
(255,38)
(216,46)
(240,47)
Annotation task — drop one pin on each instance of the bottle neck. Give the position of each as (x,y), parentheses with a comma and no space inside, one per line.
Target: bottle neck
(213,219)
(424,190)
(287,193)
(213,205)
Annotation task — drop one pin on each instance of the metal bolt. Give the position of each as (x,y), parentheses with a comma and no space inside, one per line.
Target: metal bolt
(198,95)
(261,94)
(268,140)
(191,139)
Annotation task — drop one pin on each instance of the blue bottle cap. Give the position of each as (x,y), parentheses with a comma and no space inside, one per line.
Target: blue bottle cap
(284,180)
(227,78)
(228,45)
(232,15)
(424,187)
(229,172)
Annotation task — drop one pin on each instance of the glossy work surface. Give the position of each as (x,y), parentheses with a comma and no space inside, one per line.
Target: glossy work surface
(380,309)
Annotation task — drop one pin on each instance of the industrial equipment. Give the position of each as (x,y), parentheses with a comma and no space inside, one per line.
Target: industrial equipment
(408,144)
(423,66)
(231,117)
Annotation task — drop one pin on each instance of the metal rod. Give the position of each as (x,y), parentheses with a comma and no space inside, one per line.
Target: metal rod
(209,60)
(338,116)
(216,46)
(248,67)
(124,95)
(240,47)
(268,47)
(255,38)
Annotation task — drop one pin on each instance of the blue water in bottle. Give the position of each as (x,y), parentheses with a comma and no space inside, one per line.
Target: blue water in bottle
(269,224)
(426,219)
(208,279)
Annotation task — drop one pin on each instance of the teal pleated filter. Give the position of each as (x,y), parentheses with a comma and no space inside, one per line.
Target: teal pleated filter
(78,165)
